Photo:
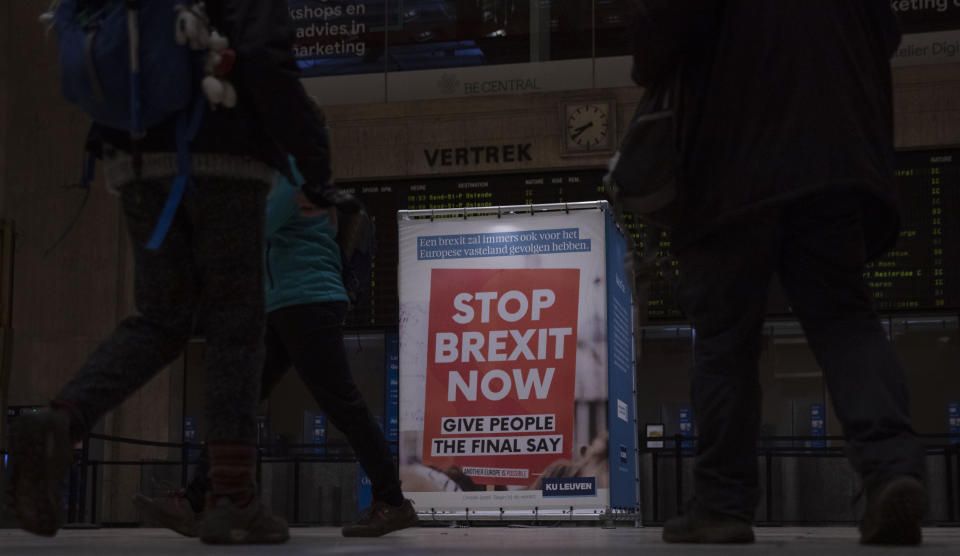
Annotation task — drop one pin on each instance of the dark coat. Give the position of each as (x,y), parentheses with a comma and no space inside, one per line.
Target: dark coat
(782,99)
(274,116)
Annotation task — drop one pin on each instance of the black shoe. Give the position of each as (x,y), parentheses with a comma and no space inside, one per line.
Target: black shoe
(41,454)
(227,523)
(382,518)
(698,525)
(894,511)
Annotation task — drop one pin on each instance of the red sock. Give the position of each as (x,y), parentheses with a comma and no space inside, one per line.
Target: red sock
(232,468)
(78,421)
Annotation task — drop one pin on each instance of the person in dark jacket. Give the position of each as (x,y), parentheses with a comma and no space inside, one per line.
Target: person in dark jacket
(306,303)
(208,270)
(786,169)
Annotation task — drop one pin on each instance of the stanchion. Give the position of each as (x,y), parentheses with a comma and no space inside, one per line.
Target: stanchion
(93,492)
(678,463)
(184,464)
(82,494)
(319,504)
(655,489)
(337,508)
(296,493)
(769,465)
(259,472)
(948,460)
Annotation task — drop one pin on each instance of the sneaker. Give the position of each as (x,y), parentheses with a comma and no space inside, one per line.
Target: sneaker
(894,511)
(224,522)
(382,518)
(173,512)
(699,525)
(41,454)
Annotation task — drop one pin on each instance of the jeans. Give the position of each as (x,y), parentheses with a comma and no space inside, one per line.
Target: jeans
(816,247)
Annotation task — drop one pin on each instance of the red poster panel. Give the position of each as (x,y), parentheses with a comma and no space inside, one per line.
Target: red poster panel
(501,372)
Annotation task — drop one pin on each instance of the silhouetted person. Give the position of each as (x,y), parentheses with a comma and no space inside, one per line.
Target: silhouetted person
(786,169)
(306,303)
(208,269)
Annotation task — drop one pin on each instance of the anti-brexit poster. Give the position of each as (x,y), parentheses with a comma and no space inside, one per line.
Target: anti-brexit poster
(505,363)
(501,371)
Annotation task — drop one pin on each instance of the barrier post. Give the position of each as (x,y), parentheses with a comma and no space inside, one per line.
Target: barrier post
(296,488)
(678,463)
(82,494)
(768,456)
(93,492)
(655,489)
(948,460)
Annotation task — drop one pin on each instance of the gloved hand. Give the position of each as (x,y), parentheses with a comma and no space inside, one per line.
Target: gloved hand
(331,195)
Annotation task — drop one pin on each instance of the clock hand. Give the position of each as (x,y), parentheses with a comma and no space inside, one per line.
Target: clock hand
(577,132)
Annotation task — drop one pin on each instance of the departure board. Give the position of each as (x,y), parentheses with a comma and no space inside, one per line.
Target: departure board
(922,273)
(385,198)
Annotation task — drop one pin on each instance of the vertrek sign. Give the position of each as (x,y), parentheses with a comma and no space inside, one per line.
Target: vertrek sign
(474,156)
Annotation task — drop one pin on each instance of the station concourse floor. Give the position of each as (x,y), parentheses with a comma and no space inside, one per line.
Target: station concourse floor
(487,541)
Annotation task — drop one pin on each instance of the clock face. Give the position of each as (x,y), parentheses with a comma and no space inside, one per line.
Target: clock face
(588,126)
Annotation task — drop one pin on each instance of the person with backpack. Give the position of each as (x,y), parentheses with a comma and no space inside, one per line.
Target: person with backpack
(786,113)
(208,268)
(306,303)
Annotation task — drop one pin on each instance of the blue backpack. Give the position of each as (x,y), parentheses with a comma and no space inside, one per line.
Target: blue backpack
(121,63)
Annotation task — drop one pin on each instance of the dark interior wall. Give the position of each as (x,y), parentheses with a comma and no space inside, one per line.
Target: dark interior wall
(63,303)
(68,301)
(5,20)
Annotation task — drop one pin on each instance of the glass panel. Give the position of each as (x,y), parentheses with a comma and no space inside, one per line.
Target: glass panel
(433,34)
(343,37)
(338,37)
(929,349)
(613,27)
(571,29)
(794,401)
(663,387)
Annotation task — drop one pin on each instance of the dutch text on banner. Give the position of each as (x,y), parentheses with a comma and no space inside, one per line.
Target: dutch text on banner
(501,371)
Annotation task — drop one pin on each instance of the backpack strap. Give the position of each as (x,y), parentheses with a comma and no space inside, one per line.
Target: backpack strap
(188,124)
(133,34)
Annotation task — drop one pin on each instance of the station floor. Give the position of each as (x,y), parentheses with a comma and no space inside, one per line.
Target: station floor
(487,541)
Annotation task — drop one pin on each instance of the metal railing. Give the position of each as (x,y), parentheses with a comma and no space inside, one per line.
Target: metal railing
(678,448)
(85,473)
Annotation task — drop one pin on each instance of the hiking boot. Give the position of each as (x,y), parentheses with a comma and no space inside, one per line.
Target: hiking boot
(41,453)
(894,511)
(699,525)
(224,522)
(173,512)
(382,518)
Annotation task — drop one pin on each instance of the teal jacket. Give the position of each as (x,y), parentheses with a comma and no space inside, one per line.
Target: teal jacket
(302,258)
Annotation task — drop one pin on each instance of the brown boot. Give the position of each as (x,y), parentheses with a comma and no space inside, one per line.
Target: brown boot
(41,453)
(234,514)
